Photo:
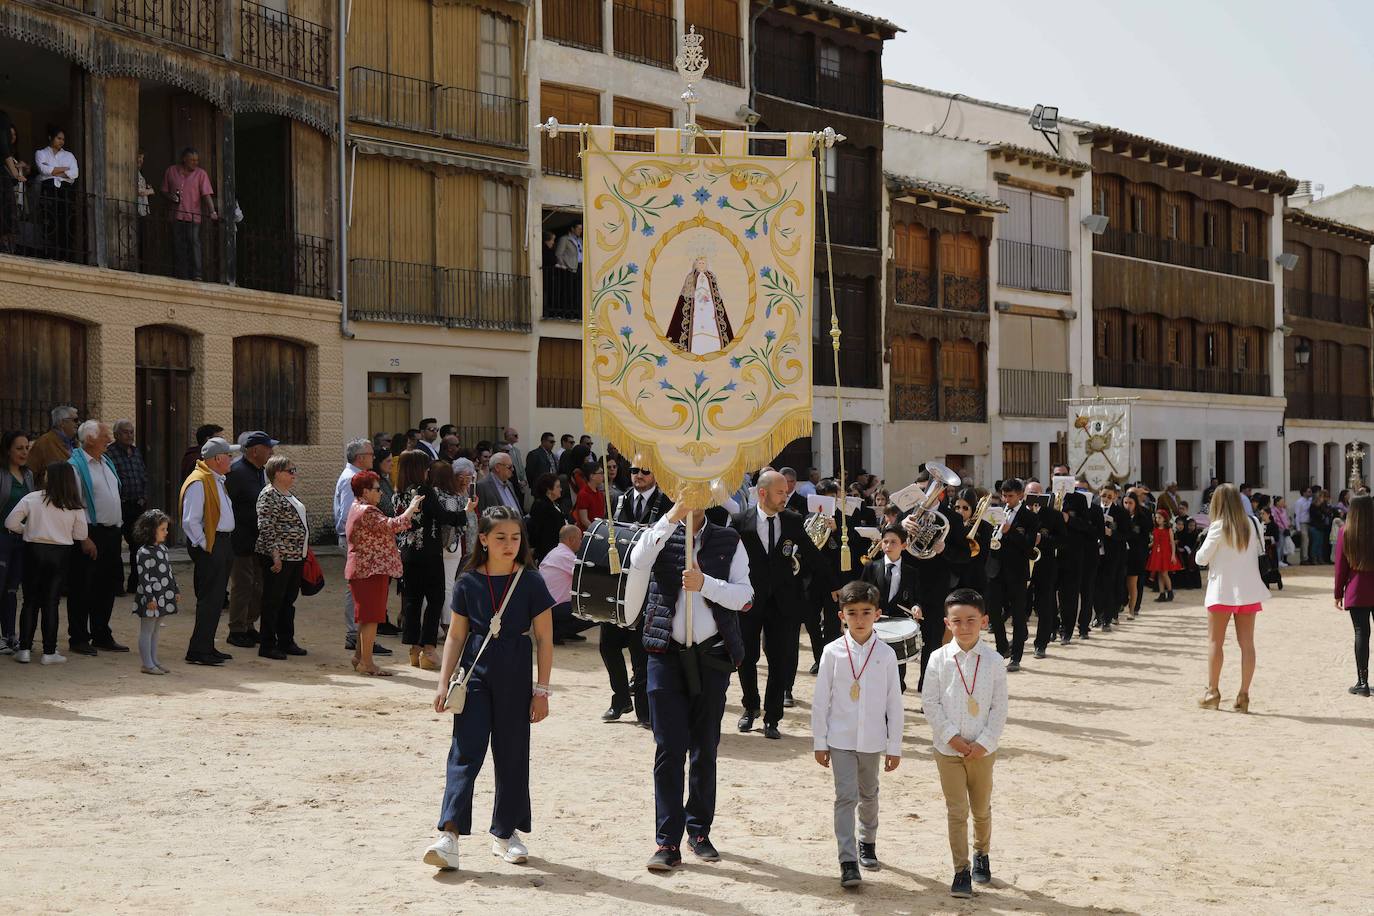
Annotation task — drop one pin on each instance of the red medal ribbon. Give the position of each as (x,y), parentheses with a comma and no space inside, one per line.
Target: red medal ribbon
(976,665)
(492,594)
(872,646)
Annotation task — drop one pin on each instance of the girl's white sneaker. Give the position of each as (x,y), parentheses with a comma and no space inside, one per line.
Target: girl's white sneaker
(443,853)
(22,656)
(512,850)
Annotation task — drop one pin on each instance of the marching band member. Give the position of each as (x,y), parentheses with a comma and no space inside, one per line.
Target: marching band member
(1109,589)
(1008,569)
(644,504)
(688,675)
(1078,566)
(823,615)
(897,578)
(1052,541)
(936,576)
(779,548)
(969,567)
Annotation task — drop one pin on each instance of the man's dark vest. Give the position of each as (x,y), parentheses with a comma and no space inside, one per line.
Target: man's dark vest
(714,557)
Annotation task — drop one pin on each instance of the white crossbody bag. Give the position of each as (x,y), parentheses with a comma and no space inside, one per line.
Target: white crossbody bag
(458,684)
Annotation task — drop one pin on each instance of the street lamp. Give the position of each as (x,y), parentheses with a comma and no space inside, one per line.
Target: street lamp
(1302,353)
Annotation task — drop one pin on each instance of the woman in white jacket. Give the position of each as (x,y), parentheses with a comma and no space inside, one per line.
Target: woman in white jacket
(1231,553)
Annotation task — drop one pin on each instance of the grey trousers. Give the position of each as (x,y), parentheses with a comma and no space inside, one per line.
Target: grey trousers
(856,787)
(245,593)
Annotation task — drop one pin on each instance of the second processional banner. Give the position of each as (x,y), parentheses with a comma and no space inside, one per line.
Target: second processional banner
(698,272)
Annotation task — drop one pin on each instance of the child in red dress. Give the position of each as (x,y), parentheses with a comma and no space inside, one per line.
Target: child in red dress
(1163,557)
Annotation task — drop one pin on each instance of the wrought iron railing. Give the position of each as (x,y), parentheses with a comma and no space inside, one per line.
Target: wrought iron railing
(424,294)
(559,155)
(1032,393)
(574,22)
(156,242)
(283,44)
(1313,405)
(54,226)
(848,92)
(1172,251)
(915,402)
(939,402)
(1022,265)
(964,405)
(562,294)
(965,294)
(851,223)
(644,36)
(193,23)
(913,286)
(722,49)
(452,111)
(33,416)
(1326,307)
(1129,374)
(281,261)
(786,76)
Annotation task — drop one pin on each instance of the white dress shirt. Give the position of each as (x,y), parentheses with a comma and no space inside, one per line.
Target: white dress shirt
(946,701)
(894,578)
(763,529)
(639,502)
(104,492)
(734,594)
(47,160)
(193,511)
(343,499)
(556,569)
(1302,510)
(40,522)
(871,724)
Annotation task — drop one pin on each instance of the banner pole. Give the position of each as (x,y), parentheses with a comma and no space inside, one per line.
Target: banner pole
(825,144)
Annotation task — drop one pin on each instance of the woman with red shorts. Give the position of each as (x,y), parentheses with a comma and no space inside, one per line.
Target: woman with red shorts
(1235,589)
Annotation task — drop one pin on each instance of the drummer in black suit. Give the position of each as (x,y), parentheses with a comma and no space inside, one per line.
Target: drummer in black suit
(1008,570)
(1078,565)
(644,504)
(774,536)
(1053,543)
(898,580)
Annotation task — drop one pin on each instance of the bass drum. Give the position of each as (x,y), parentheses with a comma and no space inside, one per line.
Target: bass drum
(903,635)
(598,595)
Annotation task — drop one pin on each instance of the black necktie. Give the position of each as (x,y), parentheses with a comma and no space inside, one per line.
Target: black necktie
(772,532)
(639,508)
(887,582)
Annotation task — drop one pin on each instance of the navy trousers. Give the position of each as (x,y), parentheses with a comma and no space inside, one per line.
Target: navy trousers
(686,731)
(496,714)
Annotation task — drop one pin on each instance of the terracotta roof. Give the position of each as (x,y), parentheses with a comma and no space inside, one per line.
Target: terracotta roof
(1024,155)
(1116,140)
(846,18)
(1311,220)
(943,196)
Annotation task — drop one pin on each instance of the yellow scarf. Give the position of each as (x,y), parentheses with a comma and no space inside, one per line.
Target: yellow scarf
(210,516)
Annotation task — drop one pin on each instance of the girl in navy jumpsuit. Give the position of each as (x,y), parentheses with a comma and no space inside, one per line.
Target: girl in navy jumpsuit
(502,697)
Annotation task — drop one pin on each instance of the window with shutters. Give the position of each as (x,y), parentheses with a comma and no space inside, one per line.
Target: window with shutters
(1173,222)
(1032,244)
(1209,349)
(832,169)
(1100,202)
(498,227)
(569,106)
(496,58)
(559,382)
(1173,346)
(710,146)
(1152,463)
(630,113)
(1018,460)
(830,60)
(270,388)
(1209,230)
(1242,354)
(1137,214)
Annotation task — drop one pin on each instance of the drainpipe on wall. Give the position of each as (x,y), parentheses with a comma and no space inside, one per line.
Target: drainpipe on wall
(342,166)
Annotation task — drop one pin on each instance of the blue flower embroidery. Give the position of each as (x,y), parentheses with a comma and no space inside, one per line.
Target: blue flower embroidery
(770,335)
(648,230)
(677,200)
(626,331)
(750,234)
(662,361)
(765,271)
(665,384)
(701,379)
(632,267)
(722,201)
(734,362)
(701,195)
(730,385)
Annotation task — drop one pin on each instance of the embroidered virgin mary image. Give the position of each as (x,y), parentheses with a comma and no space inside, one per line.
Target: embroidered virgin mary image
(700,324)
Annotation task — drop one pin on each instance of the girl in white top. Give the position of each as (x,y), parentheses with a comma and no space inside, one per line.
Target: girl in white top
(51,521)
(1235,589)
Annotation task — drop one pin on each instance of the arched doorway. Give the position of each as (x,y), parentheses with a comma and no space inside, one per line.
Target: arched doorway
(45,366)
(163,378)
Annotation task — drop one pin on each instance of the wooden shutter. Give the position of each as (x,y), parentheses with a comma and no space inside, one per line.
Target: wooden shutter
(44,366)
(717,15)
(630,113)
(270,388)
(409,29)
(1049,222)
(1015,224)
(711,145)
(569,106)
(559,382)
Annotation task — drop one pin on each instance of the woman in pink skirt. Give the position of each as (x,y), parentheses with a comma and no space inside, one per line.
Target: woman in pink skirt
(373,561)
(1235,589)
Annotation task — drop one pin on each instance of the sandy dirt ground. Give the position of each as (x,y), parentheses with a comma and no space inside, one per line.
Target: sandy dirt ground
(300,787)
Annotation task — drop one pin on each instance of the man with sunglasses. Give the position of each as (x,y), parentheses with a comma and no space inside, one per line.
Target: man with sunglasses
(644,504)
(1008,569)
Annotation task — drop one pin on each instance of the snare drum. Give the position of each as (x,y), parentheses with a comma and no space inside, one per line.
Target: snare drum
(903,635)
(596,594)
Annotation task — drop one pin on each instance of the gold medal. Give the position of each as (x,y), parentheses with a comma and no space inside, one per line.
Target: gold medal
(972,706)
(854,692)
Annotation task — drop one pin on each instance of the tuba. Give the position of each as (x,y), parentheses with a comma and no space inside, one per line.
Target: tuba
(974,521)
(925,523)
(817,529)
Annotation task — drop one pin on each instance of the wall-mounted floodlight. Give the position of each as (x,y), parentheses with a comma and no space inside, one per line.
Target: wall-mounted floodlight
(1287,260)
(1045,118)
(1096,223)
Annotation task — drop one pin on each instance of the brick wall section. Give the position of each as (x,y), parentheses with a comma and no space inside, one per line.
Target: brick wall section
(114,304)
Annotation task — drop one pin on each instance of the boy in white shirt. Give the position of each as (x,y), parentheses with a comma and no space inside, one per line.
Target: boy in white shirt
(967,710)
(856,717)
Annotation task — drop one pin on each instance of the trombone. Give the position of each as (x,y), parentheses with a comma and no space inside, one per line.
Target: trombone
(974,521)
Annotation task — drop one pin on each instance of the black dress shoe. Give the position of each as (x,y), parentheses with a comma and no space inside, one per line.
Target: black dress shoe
(379,649)
(109,645)
(1083,635)
(666,858)
(574,637)
(1013,666)
(963,884)
(387,628)
(868,856)
(849,874)
(351,644)
(771,731)
(787,701)
(815,668)
(1066,640)
(746,721)
(645,724)
(275,654)
(242,640)
(1106,627)
(293,649)
(200,659)
(704,849)
(982,868)
(222,656)
(82,648)
(614,713)
(1040,653)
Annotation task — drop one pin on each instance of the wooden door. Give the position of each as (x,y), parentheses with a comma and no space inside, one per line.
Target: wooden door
(1299,465)
(474,406)
(797,456)
(44,366)
(163,424)
(389,407)
(853,450)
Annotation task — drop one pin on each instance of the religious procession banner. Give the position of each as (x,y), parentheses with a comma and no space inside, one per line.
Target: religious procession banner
(1099,445)
(698,272)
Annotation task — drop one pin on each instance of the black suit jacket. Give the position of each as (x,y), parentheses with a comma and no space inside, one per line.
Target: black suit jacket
(908,589)
(797,503)
(1054,541)
(243,483)
(771,573)
(1114,547)
(1085,530)
(539,462)
(1011,563)
(659,506)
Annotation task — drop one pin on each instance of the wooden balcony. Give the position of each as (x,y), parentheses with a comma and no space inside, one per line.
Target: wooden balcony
(448,111)
(1311,405)
(644,37)
(1324,307)
(939,403)
(1129,374)
(1181,254)
(576,23)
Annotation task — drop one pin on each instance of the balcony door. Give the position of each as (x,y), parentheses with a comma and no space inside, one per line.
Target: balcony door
(474,407)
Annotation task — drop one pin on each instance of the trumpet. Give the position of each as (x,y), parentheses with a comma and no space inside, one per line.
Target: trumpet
(873,550)
(974,521)
(1034,558)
